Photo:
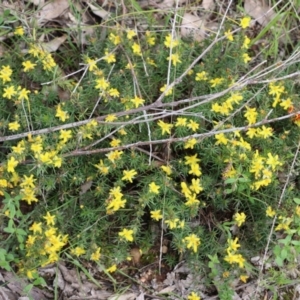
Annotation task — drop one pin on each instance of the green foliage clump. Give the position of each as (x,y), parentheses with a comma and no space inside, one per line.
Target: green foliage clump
(151,133)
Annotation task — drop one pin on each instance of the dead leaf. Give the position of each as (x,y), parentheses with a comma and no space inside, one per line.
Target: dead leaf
(100,294)
(2,50)
(99,11)
(52,10)
(36,2)
(86,31)
(236,297)
(128,296)
(193,26)
(167,290)
(141,296)
(53,45)
(260,11)
(85,187)
(135,254)
(208,4)
(167,4)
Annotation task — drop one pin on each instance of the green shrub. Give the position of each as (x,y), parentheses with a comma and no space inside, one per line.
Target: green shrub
(155,132)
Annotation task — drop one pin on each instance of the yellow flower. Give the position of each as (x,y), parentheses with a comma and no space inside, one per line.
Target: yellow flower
(48,62)
(156,214)
(264,132)
(128,175)
(251,115)
(244,278)
(246,43)
(110,57)
(192,242)
(114,155)
(239,218)
(65,135)
(192,200)
(286,104)
(23,94)
(151,62)
(185,189)
(190,143)
(36,147)
(270,212)
(284,223)
(216,81)
(276,90)
(150,38)
(169,92)
(191,160)
(221,139)
(44,157)
(232,258)
(216,107)
(28,65)
(193,296)
(251,133)
(113,92)
(115,142)
(30,240)
(175,59)
(36,227)
(102,83)
(246,57)
(14,126)
(11,164)
(130,34)
(62,115)
(240,260)
(154,188)
(9,92)
(112,269)
(165,127)
(273,161)
(115,204)
(167,170)
(34,50)
(172,223)
(297,210)
(28,181)
(115,39)
(110,118)
(116,192)
(92,63)
(245,22)
(28,195)
(170,42)
(49,219)
(195,170)
(19,31)
(229,35)
(5,73)
(137,101)
(122,131)
(193,125)
(31,274)
(136,48)
(127,234)
(78,251)
(233,245)
(196,186)
(201,76)
(181,122)
(96,254)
